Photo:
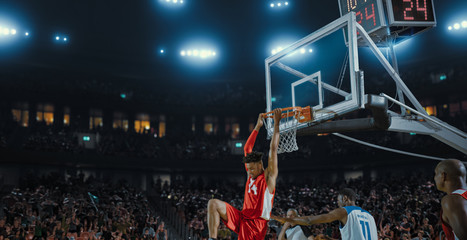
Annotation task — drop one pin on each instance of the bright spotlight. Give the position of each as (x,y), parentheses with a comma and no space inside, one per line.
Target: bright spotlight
(175,1)
(464,24)
(13,31)
(214,53)
(6,31)
(57,38)
(450,28)
(457,26)
(195,52)
(273,51)
(272,5)
(189,53)
(181,1)
(302,51)
(183,53)
(65,39)
(26,33)
(310,50)
(279,4)
(286,3)
(162,51)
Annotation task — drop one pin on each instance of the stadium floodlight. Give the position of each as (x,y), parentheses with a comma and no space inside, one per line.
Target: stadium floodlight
(302,50)
(450,28)
(6,31)
(65,39)
(200,53)
(57,38)
(278,4)
(457,26)
(13,31)
(26,33)
(464,24)
(162,50)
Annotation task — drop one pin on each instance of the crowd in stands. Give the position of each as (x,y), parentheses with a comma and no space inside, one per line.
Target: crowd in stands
(54,207)
(403,207)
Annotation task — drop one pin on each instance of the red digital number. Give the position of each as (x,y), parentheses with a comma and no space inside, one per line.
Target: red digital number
(359,14)
(422,9)
(408,9)
(368,17)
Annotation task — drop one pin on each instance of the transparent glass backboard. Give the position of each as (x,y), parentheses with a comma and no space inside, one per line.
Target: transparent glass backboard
(320,70)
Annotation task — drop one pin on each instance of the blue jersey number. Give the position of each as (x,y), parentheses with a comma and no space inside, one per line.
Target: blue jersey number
(366,229)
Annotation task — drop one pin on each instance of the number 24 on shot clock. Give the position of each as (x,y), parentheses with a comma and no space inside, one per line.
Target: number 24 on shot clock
(411,13)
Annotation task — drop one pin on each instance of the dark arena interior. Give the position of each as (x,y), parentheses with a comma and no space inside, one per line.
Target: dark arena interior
(123,119)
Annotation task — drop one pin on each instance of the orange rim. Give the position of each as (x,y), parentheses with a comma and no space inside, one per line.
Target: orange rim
(302,114)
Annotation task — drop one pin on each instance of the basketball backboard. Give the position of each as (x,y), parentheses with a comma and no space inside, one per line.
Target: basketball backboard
(313,72)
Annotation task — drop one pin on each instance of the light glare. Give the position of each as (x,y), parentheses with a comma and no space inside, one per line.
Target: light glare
(272,5)
(464,24)
(13,31)
(6,31)
(457,26)
(57,38)
(450,28)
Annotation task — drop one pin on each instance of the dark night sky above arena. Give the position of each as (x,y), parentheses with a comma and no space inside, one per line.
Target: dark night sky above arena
(125,37)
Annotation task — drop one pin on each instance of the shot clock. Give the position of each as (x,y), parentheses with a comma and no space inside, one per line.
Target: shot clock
(411,13)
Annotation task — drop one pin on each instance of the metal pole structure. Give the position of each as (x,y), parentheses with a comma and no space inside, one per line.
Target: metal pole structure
(395,65)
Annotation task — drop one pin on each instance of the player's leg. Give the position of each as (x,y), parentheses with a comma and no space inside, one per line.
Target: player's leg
(216,210)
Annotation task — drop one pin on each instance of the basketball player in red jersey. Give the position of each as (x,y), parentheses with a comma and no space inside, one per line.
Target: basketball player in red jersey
(450,176)
(251,223)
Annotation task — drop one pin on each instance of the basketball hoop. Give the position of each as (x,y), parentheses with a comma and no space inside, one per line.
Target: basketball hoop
(290,119)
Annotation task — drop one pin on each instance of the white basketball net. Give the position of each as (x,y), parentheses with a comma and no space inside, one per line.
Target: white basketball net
(288,132)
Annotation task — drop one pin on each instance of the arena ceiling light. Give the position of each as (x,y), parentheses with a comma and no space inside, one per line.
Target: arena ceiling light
(298,51)
(198,53)
(6,31)
(172,2)
(458,26)
(278,4)
(61,38)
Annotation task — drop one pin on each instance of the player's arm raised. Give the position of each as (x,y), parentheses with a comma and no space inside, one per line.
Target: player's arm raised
(272,170)
(336,214)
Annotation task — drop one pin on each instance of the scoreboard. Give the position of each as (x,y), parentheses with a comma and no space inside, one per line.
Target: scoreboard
(369,13)
(405,18)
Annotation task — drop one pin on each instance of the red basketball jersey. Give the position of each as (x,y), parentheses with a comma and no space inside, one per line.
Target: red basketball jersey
(446,228)
(258,200)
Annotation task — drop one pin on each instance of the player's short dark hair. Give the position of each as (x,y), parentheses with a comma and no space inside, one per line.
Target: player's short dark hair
(349,193)
(253,157)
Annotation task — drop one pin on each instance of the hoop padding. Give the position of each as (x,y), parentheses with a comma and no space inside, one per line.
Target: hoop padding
(290,119)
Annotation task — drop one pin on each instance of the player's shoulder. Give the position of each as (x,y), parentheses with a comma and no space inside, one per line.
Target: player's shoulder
(453,202)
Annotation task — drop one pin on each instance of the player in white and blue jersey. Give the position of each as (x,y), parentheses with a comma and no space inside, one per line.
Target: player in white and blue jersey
(356,223)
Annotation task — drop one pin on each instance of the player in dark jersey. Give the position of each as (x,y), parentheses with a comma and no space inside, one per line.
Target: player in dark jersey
(450,176)
(251,222)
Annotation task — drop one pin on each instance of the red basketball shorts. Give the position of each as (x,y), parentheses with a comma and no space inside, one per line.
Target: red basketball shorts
(247,229)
